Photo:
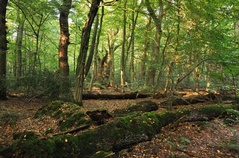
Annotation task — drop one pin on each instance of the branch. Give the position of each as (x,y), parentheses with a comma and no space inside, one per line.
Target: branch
(182,78)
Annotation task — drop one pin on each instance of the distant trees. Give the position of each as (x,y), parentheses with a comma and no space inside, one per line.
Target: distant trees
(3,49)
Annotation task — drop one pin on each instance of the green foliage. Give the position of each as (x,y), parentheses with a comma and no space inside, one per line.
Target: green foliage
(202,29)
(39,83)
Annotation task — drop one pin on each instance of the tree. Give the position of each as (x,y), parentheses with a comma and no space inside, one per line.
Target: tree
(63,46)
(20,21)
(123,52)
(3,49)
(64,37)
(83,51)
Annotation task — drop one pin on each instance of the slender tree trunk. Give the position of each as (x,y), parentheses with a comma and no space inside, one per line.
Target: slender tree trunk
(94,68)
(3,49)
(236,30)
(19,47)
(122,64)
(83,51)
(134,18)
(112,48)
(92,47)
(144,55)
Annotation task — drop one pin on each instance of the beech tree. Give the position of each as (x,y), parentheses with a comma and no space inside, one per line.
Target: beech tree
(3,49)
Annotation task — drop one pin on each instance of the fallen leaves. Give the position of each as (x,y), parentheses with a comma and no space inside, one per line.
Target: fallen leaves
(186,139)
(189,140)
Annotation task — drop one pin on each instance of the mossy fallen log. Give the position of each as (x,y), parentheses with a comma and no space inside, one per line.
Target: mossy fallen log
(112,136)
(192,100)
(143,106)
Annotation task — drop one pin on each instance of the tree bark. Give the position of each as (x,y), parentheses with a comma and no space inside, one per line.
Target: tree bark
(18,50)
(83,51)
(64,38)
(3,49)
(92,47)
(122,64)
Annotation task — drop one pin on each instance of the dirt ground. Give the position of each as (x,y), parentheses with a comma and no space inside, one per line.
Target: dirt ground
(211,139)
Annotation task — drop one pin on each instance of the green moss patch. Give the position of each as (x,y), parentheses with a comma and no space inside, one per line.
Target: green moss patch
(68,114)
(143,106)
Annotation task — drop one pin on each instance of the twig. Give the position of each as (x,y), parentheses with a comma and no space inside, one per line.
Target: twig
(77,129)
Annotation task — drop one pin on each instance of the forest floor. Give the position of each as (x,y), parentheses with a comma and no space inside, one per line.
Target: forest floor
(187,139)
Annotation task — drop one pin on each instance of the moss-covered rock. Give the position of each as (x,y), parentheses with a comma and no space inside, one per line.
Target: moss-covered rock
(68,114)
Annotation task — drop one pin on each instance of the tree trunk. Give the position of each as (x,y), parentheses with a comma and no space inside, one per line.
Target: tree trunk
(64,38)
(63,48)
(144,55)
(19,45)
(92,47)
(83,51)
(154,59)
(112,48)
(122,64)
(3,49)
(134,18)
(94,68)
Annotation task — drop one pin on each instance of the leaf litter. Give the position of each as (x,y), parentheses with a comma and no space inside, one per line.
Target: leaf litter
(189,139)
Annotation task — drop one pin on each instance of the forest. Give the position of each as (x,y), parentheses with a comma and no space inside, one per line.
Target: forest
(162,75)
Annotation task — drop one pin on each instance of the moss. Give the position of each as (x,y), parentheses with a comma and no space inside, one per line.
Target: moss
(50,109)
(77,119)
(112,136)
(214,110)
(8,118)
(68,114)
(28,145)
(232,117)
(143,106)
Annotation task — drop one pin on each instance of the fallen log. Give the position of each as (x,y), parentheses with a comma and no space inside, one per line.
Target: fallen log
(115,96)
(192,100)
